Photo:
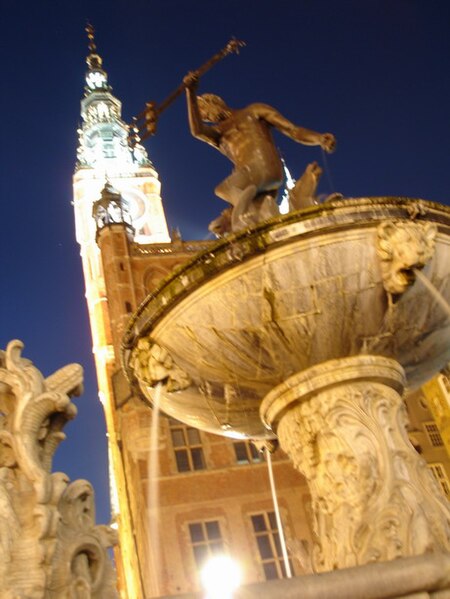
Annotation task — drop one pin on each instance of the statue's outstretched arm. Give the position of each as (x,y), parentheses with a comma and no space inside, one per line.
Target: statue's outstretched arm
(300,134)
(196,125)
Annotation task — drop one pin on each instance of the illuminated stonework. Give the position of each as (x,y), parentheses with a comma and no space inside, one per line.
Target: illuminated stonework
(49,543)
(105,156)
(105,153)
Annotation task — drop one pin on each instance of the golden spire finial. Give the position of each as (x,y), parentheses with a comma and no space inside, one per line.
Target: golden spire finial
(91,37)
(93,60)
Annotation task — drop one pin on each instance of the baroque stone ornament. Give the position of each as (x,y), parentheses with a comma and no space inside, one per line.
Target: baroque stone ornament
(154,365)
(50,547)
(403,247)
(343,424)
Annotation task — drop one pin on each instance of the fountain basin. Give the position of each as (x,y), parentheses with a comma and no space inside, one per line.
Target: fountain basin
(262,305)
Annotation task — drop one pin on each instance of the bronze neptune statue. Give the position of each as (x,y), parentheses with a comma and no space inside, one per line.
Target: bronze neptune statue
(244,136)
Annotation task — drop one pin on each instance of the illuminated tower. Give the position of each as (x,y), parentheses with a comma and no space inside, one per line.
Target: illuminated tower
(105,155)
(107,151)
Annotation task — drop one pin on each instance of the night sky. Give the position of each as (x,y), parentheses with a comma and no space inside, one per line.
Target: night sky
(374,73)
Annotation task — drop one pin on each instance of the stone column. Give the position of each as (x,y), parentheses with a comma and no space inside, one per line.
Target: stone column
(343,424)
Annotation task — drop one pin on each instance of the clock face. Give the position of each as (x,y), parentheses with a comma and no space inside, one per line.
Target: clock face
(95,79)
(135,204)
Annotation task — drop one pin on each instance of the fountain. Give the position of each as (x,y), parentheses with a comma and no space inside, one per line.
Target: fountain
(308,327)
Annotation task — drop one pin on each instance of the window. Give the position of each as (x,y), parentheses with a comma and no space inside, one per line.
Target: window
(246,452)
(441,476)
(433,433)
(108,151)
(187,446)
(206,540)
(269,546)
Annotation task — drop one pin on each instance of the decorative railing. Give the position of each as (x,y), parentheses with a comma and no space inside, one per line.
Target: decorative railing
(170,248)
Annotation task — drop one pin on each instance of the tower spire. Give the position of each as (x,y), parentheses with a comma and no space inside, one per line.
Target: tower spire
(93,59)
(104,142)
(96,77)
(110,150)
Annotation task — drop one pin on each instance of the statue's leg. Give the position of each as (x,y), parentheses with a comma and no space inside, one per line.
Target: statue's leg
(254,208)
(250,204)
(267,205)
(232,188)
(239,190)
(242,209)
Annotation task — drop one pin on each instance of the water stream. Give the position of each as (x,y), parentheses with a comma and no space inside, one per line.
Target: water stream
(432,289)
(287,565)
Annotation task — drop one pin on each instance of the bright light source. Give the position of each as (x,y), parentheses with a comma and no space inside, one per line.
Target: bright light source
(220,577)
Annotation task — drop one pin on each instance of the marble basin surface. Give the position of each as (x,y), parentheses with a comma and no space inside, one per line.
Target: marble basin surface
(259,306)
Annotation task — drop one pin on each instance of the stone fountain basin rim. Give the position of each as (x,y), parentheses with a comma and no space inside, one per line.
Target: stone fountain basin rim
(237,248)
(301,386)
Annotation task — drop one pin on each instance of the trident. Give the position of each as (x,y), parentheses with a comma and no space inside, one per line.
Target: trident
(145,123)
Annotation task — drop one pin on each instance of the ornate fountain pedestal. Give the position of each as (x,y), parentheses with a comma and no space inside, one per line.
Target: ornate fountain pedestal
(309,327)
(343,424)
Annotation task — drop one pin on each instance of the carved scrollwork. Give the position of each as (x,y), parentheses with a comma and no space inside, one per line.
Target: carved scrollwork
(85,567)
(39,532)
(153,365)
(370,489)
(403,247)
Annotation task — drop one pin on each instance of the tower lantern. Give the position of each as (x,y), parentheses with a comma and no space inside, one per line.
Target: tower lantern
(109,209)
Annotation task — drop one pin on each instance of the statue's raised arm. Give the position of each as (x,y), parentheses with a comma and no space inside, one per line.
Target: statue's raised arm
(199,129)
(244,137)
(299,134)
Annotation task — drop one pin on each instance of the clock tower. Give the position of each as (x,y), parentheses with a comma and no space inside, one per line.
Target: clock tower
(109,151)
(112,163)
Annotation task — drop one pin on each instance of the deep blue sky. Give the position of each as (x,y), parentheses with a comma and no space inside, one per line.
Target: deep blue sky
(375,73)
